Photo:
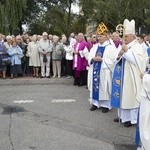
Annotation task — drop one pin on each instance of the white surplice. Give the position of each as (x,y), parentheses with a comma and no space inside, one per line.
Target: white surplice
(135,64)
(107,67)
(144,117)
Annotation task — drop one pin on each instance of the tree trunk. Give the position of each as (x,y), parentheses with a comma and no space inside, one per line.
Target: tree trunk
(10,30)
(69,16)
(20,27)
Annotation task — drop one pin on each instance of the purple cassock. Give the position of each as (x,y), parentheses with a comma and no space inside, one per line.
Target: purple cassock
(117,43)
(79,63)
(90,44)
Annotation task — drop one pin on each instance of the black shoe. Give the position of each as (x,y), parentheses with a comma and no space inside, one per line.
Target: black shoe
(117,120)
(93,107)
(80,84)
(75,84)
(105,110)
(41,77)
(48,77)
(127,124)
(14,76)
(76,81)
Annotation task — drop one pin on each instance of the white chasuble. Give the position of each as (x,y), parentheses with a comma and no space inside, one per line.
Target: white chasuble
(107,67)
(135,64)
(144,118)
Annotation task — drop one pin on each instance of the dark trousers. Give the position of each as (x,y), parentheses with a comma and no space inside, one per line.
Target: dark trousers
(69,64)
(27,69)
(81,79)
(63,68)
(8,70)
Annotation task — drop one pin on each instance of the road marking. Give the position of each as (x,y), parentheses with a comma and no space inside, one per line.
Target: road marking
(62,100)
(24,101)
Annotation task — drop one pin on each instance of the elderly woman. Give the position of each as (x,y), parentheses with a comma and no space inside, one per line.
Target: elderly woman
(34,59)
(57,53)
(8,42)
(50,37)
(16,54)
(3,53)
(8,45)
(39,37)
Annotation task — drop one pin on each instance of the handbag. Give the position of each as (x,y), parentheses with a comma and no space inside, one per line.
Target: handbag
(6,61)
(44,58)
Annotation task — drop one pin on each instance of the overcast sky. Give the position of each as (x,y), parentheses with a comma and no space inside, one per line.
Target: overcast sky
(75,8)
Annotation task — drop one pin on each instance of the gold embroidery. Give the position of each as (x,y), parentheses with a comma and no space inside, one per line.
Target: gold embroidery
(102,29)
(116,94)
(118,82)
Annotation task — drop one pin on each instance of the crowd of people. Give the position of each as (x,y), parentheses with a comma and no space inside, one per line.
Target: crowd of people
(40,55)
(35,56)
(111,67)
(27,54)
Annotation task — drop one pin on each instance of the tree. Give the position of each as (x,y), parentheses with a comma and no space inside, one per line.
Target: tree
(11,13)
(114,12)
(56,17)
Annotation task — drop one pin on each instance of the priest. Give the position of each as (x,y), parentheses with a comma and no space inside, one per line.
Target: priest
(144,116)
(130,63)
(101,60)
(79,61)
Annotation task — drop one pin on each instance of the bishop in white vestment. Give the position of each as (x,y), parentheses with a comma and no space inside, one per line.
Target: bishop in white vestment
(127,86)
(101,60)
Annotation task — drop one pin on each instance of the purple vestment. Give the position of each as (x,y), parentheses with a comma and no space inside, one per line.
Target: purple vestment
(117,43)
(81,62)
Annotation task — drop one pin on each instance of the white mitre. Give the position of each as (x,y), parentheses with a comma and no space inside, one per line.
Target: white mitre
(129,27)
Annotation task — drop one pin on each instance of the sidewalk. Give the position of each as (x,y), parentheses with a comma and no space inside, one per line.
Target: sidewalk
(35,81)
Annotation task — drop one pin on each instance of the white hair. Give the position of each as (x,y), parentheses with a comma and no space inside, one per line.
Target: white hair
(55,37)
(44,33)
(8,37)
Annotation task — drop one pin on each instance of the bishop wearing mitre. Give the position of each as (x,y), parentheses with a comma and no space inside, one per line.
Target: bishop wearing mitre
(101,61)
(126,84)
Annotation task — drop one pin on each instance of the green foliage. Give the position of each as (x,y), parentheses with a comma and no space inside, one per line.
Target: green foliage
(11,13)
(113,12)
(55,16)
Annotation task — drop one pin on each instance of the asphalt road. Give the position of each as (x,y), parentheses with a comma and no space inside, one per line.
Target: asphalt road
(52,114)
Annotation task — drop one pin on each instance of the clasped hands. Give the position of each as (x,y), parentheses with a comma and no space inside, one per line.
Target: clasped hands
(122,51)
(44,52)
(76,52)
(97,58)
